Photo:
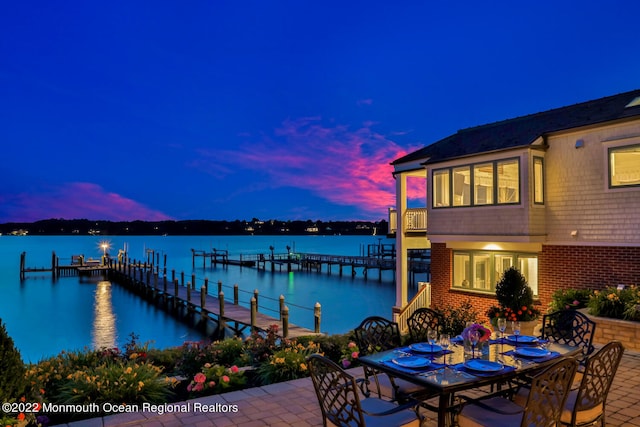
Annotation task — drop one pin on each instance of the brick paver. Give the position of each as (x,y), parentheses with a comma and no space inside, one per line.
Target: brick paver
(294,403)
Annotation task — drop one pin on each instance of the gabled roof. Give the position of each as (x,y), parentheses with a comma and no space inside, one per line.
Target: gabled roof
(523,131)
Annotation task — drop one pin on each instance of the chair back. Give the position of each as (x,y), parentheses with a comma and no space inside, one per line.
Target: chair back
(421,321)
(570,327)
(598,377)
(337,392)
(549,391)
(376,334)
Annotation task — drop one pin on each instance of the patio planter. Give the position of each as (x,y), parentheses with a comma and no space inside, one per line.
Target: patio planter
(616,329)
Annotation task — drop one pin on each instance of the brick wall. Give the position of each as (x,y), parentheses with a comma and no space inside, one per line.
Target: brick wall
(586,267)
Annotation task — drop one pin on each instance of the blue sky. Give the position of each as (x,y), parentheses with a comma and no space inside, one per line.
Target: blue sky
(229,110)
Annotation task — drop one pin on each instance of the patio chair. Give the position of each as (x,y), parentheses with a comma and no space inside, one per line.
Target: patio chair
(375,334)
(543,407)
(586,404)
(341,404)
(421,321)
(570,327)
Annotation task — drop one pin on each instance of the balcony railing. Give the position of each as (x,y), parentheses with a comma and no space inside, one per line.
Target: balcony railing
(415,219)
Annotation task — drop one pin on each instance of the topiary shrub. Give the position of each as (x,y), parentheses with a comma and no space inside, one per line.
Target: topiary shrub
(12,368)
(515,298)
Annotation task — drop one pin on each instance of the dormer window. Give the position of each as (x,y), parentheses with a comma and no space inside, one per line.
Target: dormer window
(634,103)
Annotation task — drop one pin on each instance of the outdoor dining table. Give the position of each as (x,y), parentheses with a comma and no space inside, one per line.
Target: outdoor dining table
(500,361)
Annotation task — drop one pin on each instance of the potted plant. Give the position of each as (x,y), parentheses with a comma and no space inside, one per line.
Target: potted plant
(515,302)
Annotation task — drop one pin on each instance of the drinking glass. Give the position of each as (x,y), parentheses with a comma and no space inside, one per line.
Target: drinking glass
(445,342)
(502,326)
(515,326)
(432,336)
(474,337)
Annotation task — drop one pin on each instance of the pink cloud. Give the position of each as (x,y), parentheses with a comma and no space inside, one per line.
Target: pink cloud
(341,165)
(78,200)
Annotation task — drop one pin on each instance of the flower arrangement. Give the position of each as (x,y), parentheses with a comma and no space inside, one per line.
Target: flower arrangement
(483,333)
(515,298)
(349,355)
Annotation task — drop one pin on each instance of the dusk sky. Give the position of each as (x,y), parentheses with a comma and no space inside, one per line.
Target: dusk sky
(224,110)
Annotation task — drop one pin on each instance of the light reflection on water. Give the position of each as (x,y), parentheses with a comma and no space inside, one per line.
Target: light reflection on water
(104,320)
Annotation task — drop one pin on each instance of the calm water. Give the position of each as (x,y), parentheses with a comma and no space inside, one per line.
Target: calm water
(44,317)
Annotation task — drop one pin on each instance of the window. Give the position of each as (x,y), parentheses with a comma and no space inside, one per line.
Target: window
(624,166)
(477,185)
(508,181)
(481,270)
(483,184)
(462,186)
(461,270)
(538,180)
(441,188)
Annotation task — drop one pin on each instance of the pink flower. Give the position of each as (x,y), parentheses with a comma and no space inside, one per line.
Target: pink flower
(212,384)
(576,302)
(234,369)
(352,344)
(189,387)
(200,378)
(198,387)
(354,355)
(225,378)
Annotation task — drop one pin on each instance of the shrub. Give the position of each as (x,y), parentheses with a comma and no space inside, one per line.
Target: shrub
(261,346)
(616,303)
(515,298)
(455,319)
(230,351)
(288,363)
(130,382)
(564,299)
(12,368)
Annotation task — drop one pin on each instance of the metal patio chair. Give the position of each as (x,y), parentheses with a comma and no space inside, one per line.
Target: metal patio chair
(375,334)
(341,405)
(586,404)
(570,327)
(421,321)
(543,406)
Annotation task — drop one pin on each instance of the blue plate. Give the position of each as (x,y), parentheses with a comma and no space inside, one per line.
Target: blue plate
(532,352)
(424,347)
(482,365)
(413,362)
(522,339)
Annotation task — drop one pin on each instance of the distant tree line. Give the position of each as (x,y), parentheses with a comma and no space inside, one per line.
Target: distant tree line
(193,227)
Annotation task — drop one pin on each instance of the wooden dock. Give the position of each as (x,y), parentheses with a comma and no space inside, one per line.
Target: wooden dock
(198,302)
(377,260)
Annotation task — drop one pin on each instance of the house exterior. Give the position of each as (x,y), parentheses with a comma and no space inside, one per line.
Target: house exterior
(556,194)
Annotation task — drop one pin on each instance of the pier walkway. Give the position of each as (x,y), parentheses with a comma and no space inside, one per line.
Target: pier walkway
(294,403)
(183,297)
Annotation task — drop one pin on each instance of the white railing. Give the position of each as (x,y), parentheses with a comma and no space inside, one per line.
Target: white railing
(415,219)
(421,299)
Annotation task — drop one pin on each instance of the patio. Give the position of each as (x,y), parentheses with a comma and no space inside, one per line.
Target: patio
(294,403)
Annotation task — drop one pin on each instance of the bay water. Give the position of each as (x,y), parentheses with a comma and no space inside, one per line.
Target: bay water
(45,316)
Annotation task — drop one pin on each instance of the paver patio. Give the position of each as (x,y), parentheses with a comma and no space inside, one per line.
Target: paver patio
(294,403)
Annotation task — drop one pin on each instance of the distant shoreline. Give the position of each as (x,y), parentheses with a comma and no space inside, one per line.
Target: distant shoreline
(62,227)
